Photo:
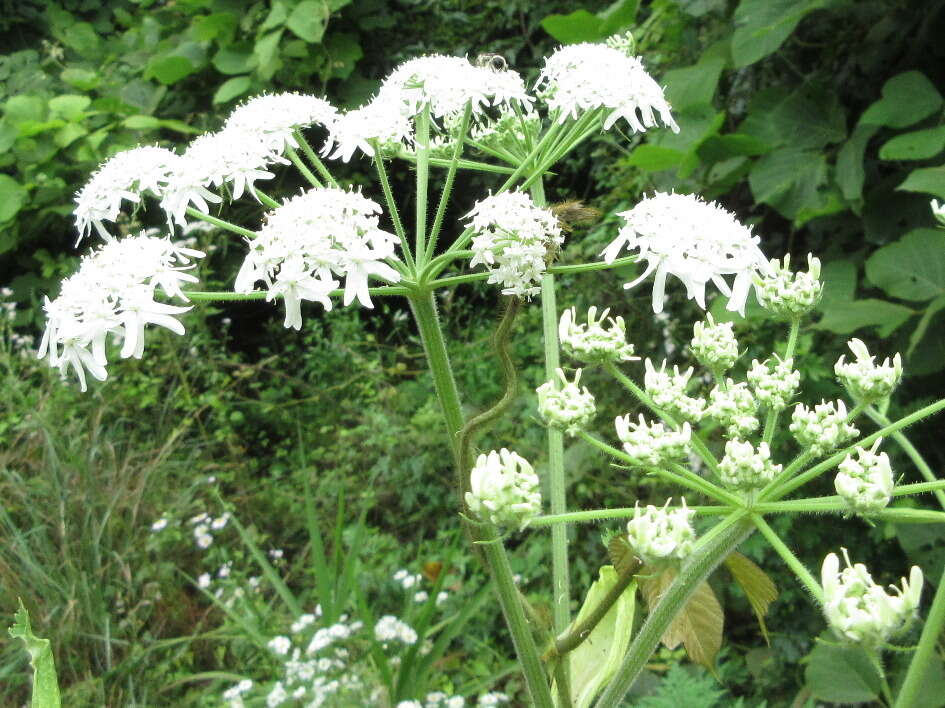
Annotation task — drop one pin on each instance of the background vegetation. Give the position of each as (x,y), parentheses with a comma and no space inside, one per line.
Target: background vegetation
(819,121)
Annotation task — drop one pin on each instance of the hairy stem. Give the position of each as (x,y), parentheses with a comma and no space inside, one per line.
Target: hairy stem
(448,185)
(771,421)
(913,685)
(313,158)
(792,561)
(220,223)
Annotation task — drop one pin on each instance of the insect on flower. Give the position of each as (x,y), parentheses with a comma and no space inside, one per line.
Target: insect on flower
(496,62)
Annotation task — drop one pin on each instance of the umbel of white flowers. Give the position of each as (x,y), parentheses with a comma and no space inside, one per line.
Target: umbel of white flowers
(860,611)
(714,345)
(786,294)
(774,383)
(745,467)
(569,407)
(668,390)
(734,406)
(822,428)
(865,482)
(661,536)
(503,490)
(594,342)
(867,381)
(651,444)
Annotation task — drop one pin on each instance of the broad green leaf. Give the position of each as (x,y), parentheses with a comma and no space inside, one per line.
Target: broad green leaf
(575,27)
(795,183)
(231,88)
(758,587)
(841,674)
(912,268)
(918,333)
(69,106)
(179,126)
(844,314)
(344,51)
(693,85)
(13,196)
(618,15)
(45,686)
(850,174)
(597,659)
(265,52)
(917,145)
(723,147)
(68,134)
(141,122)
(235,59)
(8,135)
(23,108)
(278,14)
(82,38)
(308,20)
(925,180)
(169,68)
(654,158)
(761,26)
(906,99)
(82,79)
(808,117)
(699,625)
(220,25)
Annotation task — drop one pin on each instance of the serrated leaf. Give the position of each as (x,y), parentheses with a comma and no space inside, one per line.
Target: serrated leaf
(757,586)
(621,555)
(925,180)
(839,674)
(912,268)
(45,686)
(698,627)
(906,99)
(917,145)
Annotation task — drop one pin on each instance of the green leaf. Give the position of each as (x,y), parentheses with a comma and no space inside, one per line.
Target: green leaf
(841,674)
(68,134)
(917,145)
(82,38)
(654,158)
(850,174)
(912,268)
(231,88)
(808,117)
(82,79)
(763,25)
(217,25)
(69,106)
(277,16)
(179,126)
(906,99)
(843,314)
(597,659)
(620,14)
(265,53)
(23,108)
(925,180)
(141,122)
(235,59)
(344,51)
(936,306)
(722,147)
(169,68)
(575,27)
(45,686)
(933,683)
(13,196)
(795,183)
(693,85)
(698,626)
(757,586)
(308,20)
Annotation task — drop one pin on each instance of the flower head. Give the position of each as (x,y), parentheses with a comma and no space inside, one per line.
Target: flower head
(735,407)
(865,482)
(860,611)
(822,428)
(661,536)
(786,294)
(866,381)
(584,77)
(567,406)
(652,444)
(594,342)
(714,345)
(668,390)
(273,118)
(503,489)
(382,121)
(774,383)
(746,467)
(696,241)
(512,239)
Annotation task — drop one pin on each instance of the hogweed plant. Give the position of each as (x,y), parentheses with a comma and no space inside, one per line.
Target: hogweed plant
(713,443)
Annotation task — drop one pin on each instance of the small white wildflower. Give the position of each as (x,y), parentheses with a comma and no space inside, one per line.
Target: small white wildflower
(568,406)
(381,122)
(389,628)
(714,345)
(513,238)
(159,525)
(503,489)
(774,384)
(302,622)
(442,597)
(220,522)
(277,695)
(593,342)
(275,553)
(661,535)
(652,444)
(786,294)
(204,540)
(668,390)
(744,467)
(409,704)
(734,406)
(225,570)
(490,700)
(822,428)
(421,596)
(865,482)
(698,242)
(280,645)
(455,702)
(203,581)
(866,381)
(860,611)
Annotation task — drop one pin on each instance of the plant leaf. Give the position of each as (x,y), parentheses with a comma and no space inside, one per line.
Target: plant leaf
(925,180)
(758,587)
(45,686)
(838,674)
(912,268)
(621,554)
(907,98)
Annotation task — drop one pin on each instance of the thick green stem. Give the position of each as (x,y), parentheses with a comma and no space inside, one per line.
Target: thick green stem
(911,451)
(913,685)
(392,206)
(448,185)
(590,515)
(423,184)
(792,561)
(227,296)
(302,167)
(596,265)
(771,421)
(462,164)
(314,159)
(708,554)
(220,223)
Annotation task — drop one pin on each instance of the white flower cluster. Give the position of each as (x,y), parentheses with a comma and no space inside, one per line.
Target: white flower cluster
(865,380)
(392,629)
(860,611)
(113,294)
(822,428)
(204,526)
(734,406)
(313,237)
(774,384)
(668,390)
(696,241)
(745,467)
(594,342)
(714,345)
(652,444)
(503,489)
(786,294)
(584,77)
(406,579)
(513,238)
(661,536)
(865,482)
(569,407)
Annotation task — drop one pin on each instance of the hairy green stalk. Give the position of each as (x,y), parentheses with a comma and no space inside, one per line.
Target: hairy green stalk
(220,223)
(302,167)
(592,515)
(771,422)
(913,684)
(448,185)
(423,184)
(392,206)
(792,561)
(313,158)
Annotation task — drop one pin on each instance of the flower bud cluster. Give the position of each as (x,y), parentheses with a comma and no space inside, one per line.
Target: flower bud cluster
(822,428)
(594,342)
(392,629)
(865,380)
(714,345)
(744,467)
(774,384)
(567,407)
(661,536)
(860,611)
(865,482)
(651,444)
(668,391)
(503,489)
(735,407)
(786,294)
